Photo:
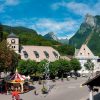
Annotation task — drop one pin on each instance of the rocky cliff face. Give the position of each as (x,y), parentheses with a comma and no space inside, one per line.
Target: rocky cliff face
(51,36)
(89,33)
(90,20)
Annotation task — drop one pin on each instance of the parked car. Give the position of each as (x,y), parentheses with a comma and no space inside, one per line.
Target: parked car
(75,74)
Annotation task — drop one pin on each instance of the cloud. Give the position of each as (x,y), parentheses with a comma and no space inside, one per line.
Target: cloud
(45,25)
(62,28)
(12,2)
(57,5)
(5,3)
(1,8)
(67,36)
(15,23)
(78,8)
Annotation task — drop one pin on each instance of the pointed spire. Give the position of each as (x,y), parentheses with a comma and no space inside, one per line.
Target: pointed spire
(16,70)
(12,35)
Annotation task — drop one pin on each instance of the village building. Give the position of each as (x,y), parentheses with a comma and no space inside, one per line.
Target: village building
(32,52)
(83,54)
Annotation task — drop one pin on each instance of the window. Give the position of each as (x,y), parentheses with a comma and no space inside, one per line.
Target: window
(36,54)
(25,54)
(55,54)
(84,48)
(46,54)
(80,53)
(13,41)
(13,46)
(88,53)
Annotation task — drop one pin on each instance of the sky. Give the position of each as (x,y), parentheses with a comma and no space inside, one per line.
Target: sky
(63,17)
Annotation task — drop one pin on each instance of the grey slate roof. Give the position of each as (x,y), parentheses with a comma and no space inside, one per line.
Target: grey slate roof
(12,35)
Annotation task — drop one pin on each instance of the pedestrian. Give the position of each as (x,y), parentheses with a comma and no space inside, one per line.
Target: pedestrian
(35,92)
(15,95)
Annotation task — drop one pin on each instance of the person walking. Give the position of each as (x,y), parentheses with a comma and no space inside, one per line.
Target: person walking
(15,95)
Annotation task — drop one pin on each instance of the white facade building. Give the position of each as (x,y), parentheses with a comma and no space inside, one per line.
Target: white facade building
(36,53)
(83,54)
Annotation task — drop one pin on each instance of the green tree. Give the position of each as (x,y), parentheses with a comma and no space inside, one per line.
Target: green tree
(31,67)
(53,66)
(22,67)
(89,65)
(27,67)
(75,64)
(64,66)
(65,49)
(41,67)
(8,58)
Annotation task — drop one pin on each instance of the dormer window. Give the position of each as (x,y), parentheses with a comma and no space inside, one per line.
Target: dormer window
(36,54)
(13,41)
(55,54)
(46,54)
(25,54)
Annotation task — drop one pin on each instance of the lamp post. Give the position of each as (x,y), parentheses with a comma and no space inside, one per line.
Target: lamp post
(47,76)
(91,64)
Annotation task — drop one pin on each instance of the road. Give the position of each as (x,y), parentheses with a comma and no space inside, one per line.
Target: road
(67,90)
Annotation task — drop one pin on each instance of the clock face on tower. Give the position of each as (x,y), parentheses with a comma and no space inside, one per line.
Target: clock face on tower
(13,41)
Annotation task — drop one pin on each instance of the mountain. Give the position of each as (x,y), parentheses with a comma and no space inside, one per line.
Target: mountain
(31,37)
(28,36)
(52,36)
(88,33)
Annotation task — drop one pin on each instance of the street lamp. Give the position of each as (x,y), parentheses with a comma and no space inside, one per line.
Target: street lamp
(47,76)
(91,65)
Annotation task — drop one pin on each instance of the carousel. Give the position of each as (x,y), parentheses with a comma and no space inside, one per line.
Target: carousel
(16,81)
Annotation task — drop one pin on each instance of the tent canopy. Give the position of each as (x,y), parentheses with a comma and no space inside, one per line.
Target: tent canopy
(17,77)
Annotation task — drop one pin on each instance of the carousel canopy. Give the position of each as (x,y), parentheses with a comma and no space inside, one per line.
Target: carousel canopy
(17,77)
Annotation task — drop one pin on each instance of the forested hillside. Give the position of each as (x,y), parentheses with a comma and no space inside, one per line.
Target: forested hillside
(31,37)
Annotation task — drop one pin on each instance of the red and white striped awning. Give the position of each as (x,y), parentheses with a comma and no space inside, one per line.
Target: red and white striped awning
(17,76)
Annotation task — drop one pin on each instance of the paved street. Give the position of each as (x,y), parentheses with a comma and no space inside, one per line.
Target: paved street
(67,90)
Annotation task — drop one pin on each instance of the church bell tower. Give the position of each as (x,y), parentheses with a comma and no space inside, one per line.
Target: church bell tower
(13,41)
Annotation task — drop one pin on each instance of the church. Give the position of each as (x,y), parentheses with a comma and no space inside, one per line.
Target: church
(32,52)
